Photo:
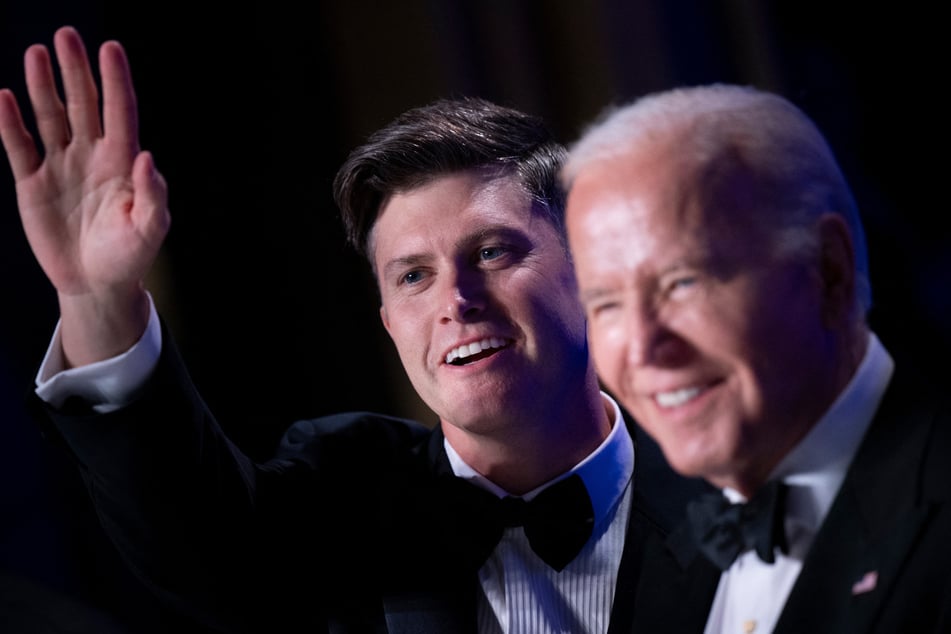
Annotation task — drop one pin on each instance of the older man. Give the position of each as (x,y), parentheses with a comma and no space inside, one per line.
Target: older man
(722,265)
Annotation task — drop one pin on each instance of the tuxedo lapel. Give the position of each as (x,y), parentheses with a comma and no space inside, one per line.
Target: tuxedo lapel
(871,526)
(655,593)
(848,571)
(436,583)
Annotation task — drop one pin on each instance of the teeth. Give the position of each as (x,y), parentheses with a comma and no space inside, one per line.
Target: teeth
(489,343)
(677,397)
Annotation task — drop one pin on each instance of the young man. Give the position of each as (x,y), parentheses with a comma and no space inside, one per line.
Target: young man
(361,522)
(722,264)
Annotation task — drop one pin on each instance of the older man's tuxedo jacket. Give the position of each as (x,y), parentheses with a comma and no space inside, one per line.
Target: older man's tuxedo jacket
(881,561)
(344,530)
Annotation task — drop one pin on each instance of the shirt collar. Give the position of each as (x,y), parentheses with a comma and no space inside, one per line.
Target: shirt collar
(606,471)
(815,468)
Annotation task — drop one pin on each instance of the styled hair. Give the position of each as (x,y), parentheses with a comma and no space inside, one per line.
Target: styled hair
(446,136)
(763,133)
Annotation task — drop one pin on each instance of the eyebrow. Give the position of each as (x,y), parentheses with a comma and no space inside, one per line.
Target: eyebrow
(590,294)
(408,261)
(489,231)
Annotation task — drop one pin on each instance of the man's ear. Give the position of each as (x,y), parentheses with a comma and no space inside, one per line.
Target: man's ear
(837,269)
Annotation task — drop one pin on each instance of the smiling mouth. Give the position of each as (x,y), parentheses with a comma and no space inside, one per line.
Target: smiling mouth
(676,398)
(475,350)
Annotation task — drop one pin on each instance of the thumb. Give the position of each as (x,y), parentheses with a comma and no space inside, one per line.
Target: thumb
(150,203)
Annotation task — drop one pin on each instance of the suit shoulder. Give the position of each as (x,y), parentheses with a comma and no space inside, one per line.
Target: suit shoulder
(367,433)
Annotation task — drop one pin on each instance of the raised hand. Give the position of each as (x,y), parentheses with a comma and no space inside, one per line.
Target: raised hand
(92,204)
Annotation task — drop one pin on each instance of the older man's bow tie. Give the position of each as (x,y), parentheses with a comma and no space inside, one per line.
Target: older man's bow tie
(723,530)
(557,522)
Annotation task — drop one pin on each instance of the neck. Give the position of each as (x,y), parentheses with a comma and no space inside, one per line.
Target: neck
(820,396)
(525,456)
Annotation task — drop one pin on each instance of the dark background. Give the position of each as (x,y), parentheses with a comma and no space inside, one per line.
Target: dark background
(249,111)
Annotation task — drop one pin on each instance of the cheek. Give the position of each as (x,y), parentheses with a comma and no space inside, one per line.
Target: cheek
(404,332)
(558,287)
(724,327)
(402,350)
(555,303)
(607,351)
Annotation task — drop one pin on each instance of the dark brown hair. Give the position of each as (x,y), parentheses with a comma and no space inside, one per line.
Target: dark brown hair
(448,135)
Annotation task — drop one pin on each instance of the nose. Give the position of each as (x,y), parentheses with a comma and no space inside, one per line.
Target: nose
(464,295)
(649,340)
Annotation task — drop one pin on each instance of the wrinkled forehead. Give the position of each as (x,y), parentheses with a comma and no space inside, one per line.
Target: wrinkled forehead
(665,192)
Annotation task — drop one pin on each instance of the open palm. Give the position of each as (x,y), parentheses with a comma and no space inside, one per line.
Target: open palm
(92,205)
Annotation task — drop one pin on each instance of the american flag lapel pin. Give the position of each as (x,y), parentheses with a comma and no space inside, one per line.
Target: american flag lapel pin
(866,584)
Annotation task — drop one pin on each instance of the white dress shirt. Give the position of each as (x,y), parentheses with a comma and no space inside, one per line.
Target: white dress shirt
(751,593)
(521,594)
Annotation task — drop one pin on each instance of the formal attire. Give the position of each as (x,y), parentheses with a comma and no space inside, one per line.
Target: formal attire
(358,524)
(867,523)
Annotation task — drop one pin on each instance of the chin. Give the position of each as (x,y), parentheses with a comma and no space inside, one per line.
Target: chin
(687,468)
(690,461)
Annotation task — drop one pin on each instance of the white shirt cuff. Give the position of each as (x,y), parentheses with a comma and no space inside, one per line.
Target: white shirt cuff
(107,384)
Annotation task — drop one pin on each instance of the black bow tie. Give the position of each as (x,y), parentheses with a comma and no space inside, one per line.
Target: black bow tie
(557,522)
(723,530)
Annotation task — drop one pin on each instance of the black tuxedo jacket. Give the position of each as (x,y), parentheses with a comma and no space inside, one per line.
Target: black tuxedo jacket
(891,520)
(346,529)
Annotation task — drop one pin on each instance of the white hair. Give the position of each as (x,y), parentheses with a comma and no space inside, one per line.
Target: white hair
(772,137)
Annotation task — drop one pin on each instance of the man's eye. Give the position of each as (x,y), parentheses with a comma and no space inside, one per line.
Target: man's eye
(680,284)
(600,310)
(491,253)
(412,277)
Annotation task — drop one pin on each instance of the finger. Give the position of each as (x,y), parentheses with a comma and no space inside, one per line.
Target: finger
(150,207)
(82,98)
(47,107)
(119,112)
(17,141)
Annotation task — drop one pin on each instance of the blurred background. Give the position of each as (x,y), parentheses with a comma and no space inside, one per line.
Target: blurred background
(250,111)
